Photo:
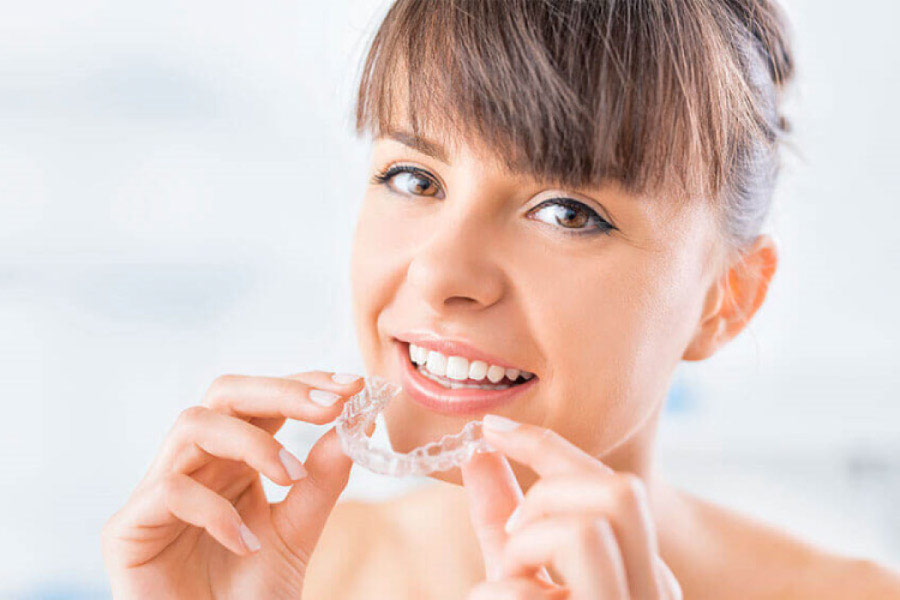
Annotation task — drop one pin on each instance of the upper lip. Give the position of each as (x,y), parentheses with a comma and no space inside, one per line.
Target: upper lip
(453,347)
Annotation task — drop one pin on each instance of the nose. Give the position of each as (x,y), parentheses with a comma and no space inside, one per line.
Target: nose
(454,267)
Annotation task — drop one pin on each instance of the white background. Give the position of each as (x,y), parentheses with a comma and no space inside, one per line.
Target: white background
(178,186)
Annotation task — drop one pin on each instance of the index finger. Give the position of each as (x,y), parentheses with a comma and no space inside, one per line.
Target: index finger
(493,493)
(313,396)
(545,451)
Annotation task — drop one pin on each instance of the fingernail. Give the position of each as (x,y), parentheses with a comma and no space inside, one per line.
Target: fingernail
(323,398)
(344,377)
(498,423)
(250,539)
(513,519)
(292,465)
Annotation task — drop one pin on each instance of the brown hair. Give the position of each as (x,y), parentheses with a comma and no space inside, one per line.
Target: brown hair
(649,93)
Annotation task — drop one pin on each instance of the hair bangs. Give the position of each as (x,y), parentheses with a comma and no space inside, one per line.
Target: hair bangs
(570,92)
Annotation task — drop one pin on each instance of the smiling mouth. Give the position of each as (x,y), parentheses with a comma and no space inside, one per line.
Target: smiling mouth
(452,391)
(456,372)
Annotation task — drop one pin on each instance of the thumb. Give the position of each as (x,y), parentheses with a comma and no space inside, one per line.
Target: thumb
(493,493)
(302,514)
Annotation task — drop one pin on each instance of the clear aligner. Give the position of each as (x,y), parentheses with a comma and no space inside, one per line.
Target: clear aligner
(361,410)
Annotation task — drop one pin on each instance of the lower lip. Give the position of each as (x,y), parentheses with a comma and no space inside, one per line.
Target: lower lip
(436,397)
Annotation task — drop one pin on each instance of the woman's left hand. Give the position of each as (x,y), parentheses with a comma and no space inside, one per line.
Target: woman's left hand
(589,523)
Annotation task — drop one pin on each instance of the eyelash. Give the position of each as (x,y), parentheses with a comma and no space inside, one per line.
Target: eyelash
(603,227)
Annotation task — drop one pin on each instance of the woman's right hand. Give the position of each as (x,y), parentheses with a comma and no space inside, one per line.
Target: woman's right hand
(198,525)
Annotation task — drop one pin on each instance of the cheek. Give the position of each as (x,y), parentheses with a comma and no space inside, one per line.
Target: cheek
(380,255)
(369,278)
(373,256)
(617,327)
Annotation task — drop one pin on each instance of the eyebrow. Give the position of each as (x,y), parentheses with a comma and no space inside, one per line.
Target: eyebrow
(423,145)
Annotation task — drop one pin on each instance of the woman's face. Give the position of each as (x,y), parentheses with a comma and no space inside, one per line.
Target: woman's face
(463,250)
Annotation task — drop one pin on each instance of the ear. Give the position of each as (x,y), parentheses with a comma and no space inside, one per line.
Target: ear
(734,298)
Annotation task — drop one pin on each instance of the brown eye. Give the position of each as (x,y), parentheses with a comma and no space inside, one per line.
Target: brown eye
(415,184)
(569,217)
(409,180)
(572,216)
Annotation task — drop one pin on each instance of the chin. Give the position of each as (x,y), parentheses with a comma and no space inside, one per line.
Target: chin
(410,425)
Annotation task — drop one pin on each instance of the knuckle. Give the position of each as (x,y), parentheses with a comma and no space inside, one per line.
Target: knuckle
(106,531)
(169,486)
(217,388)
(191,414)
(631,489)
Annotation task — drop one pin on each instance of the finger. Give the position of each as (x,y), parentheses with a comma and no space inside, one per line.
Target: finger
(178,496)
(668,582)
(312,397)
(493,493)
(303,512)
(519,588)
(620,498)
(544,450)
(202,434)
(584,551)
(354,382)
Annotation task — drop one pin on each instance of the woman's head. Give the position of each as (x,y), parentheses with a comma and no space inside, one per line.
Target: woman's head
(574,187)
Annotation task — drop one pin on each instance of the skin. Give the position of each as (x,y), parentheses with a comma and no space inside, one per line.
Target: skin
(595,519)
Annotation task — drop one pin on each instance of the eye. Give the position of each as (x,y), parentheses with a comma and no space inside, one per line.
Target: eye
(408,180)
(575,217)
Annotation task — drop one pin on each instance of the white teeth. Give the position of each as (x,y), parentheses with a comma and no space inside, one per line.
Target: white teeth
(495,373)
(477,370)
(417,354)
(456,386)
(457,368)
(460,368)
(436,363)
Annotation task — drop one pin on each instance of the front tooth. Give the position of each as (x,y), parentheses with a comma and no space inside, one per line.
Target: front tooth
(423,354)
(495,373)
(457,368)
(436,363)
(477,370)
(512,374)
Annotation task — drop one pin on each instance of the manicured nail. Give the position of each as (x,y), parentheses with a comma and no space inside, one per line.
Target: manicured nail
(513,519)
(344,377)
(323,398)
(250,539)
(292,465)
(498,423)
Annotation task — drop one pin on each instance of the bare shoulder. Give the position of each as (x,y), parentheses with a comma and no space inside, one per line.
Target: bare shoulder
(744,554)
(350,547)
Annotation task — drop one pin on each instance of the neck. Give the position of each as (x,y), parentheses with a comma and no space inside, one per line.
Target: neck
(635,453)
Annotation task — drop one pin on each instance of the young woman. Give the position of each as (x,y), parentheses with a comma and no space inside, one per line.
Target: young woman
(566,200)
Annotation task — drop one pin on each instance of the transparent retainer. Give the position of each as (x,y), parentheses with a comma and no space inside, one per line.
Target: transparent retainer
(361,410)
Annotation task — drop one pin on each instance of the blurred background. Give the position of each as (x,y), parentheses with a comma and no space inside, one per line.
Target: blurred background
(178,187)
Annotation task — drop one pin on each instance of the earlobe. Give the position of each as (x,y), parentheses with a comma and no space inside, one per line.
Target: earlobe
(735,298)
